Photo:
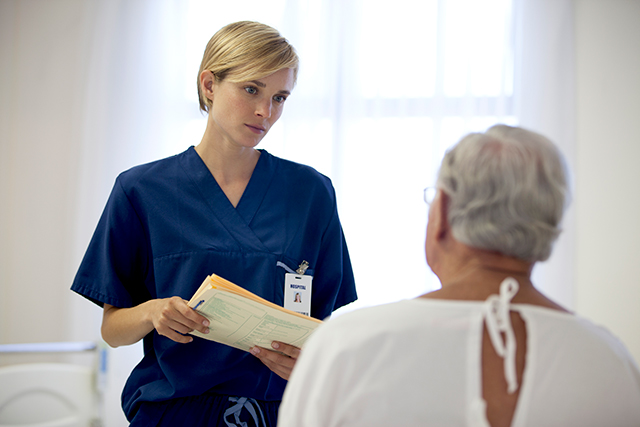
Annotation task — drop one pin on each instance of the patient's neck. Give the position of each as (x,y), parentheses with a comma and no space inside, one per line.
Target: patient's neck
(471,263)
(500,264)
(476,274)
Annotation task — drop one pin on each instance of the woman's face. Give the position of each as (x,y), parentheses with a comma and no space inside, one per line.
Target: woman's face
(241,114)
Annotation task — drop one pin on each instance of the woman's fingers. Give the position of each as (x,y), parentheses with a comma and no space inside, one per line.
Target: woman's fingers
(174,319)
(279,363)
(289,350)
(193,319)
(175,336)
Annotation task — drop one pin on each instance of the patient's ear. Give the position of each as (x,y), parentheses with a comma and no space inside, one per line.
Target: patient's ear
(437,242)
(441,207)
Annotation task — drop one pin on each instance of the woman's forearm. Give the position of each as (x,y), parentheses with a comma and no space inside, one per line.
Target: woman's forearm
(171,317)
(126,326)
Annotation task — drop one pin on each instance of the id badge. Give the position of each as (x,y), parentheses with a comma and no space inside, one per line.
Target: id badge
(297,293)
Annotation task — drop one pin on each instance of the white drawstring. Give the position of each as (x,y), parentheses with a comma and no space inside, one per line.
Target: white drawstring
(250,405)
(498,321)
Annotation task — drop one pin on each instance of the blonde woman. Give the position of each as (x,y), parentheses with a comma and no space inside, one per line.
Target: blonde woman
(220,207)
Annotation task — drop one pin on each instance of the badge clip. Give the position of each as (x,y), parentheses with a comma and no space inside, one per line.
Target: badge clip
(302,268)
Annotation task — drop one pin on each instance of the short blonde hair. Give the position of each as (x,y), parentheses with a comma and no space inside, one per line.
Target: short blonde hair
(245,51)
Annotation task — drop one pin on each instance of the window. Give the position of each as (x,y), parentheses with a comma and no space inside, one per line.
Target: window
(384,89)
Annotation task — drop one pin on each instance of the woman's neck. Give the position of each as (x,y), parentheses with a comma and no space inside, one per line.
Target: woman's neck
(231,165)
(227,163)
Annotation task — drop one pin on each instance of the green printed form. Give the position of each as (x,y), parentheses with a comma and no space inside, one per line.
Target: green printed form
(242,323)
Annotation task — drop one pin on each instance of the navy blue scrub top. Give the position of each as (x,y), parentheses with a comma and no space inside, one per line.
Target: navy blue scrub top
(168,224)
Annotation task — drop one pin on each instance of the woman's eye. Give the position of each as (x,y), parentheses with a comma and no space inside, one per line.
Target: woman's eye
(251,90)
(279,98)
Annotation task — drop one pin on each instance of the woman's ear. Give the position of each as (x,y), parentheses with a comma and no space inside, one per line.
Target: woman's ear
(207,84)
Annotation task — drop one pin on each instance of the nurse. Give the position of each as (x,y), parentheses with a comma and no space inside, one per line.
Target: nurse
(222,207)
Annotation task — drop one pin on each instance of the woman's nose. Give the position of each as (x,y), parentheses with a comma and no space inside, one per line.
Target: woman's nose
(263,109)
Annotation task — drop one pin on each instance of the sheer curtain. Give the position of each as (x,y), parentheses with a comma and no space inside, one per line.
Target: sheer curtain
(384,89)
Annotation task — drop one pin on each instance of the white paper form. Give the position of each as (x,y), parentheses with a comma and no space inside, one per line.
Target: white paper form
(243,323)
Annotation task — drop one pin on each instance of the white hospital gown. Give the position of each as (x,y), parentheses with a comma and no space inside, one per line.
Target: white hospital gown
(418,362)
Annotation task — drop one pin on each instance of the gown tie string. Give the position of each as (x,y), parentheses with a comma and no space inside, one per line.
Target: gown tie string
(251,405)
(498,321)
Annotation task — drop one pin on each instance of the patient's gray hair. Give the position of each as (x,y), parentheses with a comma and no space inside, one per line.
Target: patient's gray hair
(508,191)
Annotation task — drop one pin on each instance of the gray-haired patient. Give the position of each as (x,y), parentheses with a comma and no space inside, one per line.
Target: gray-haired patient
(488,348)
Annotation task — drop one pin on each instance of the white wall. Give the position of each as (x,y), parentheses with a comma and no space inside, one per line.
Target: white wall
(42,58)
(607,199)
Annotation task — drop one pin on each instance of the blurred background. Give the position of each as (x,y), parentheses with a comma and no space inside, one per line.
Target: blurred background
(89,88)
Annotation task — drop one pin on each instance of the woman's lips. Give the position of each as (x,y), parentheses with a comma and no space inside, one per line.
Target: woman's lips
(256,129)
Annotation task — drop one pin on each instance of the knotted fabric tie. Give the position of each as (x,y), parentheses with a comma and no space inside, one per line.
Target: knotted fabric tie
(252,407)
(498,321)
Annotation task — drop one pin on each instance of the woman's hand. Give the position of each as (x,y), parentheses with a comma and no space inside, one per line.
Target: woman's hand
(280,361)
(171,317)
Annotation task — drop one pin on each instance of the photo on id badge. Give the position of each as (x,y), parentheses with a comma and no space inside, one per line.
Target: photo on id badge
(297,293)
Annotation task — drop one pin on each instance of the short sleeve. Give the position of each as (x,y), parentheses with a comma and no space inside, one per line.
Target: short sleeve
(116,264)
